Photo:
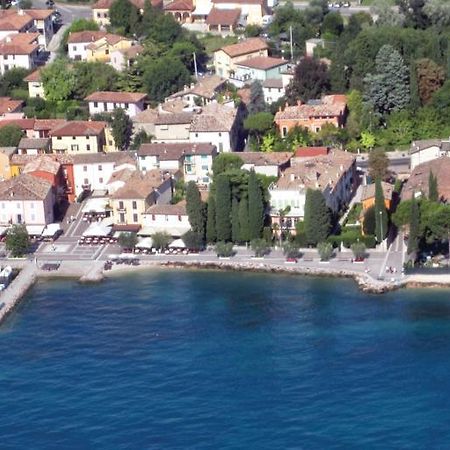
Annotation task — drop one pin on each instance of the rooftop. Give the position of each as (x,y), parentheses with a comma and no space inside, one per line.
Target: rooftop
(368,191)
(265,159)
(328,106)
(168,210)
(417,146)
(273,83)
(228,17)
(9,151)
(79,128)
(8,105)
(94,158)
(179,5)
(321,172)
(33,77)
(42,164)
(22,160)
(262,62)
(24,187)
(214,117)
(174,119)
(140,186)
(307,152)
(26,143)
(79,37)
(418,180)
(168,152)
(116,97)
(19,44)
(13,20)
(205,86)
(243,48)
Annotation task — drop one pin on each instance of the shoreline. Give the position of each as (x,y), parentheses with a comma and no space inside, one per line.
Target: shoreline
(93,272)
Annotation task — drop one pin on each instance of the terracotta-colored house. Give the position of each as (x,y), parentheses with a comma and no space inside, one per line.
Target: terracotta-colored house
(331,109)
(368,195)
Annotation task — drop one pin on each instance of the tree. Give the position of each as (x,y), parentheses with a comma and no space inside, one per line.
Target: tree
(161,240)
(433,191)
(141,137)
(224,249)
(438,12)
(255,206)
(127,240)
(414,226)
(310,81)
(193,241)
(439,223)
(388,88)
(317,217)
(17,240)
(223,208)
(325,250)
(386,15)
(359,250)
(25,4)
(367,140)
(164,76)
(430,78)
(195,209)
(121,127)
(120,13)
(92,77)
(381,218)
(291,250)
(414,13)
(244,227)
(11,80)
(256,103)
(333,24)
(369,221)
(235,228)
(260,247)
(211,234)
(258,124)
(252,31)
(59,80)
(378,164)
(10,136)
(226,161)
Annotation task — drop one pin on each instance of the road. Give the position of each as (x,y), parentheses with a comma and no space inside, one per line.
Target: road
(399,162)
(68,12)
(344,11)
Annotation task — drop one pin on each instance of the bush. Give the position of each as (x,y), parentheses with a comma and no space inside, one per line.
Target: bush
(260,247)
(161,240)
(325,250)
(193,240)
(369,240)
(359,250)
(291,250)
(17,240)
(127,240)
(224,249)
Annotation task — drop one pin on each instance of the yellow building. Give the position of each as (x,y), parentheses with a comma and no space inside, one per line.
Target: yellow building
(79,136)
(226,58)
(5,164)
(101,49)
(35,85)
(139,192)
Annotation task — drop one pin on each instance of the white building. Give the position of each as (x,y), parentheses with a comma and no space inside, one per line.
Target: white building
(18,51)
(77,43)
(131,102)
(93,171)
(43,23)
(26,199)
(266,163)
(171,219)
(428,150)
(194,160)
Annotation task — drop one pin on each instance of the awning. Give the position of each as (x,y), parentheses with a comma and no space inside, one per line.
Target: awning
(177,243)
(175,231)
(35,230)
(51,229)
(97,230)
(96,205)
(127,228)
(146,242)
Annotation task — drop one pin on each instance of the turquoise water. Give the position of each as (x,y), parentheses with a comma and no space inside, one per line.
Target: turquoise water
(207,360)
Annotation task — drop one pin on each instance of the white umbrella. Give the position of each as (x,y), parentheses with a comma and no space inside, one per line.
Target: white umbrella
(177,243)
(97,230)
(146,242)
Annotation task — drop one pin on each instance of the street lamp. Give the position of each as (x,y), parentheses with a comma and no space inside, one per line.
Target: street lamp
(381,225)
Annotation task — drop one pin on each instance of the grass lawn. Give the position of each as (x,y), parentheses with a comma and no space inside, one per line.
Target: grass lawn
(213,42)
(354,214)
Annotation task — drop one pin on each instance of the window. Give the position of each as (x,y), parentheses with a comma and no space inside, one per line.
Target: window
(18,205)
(122,218)
(3,206)
(74,48)
(167,218)
(204,156)
(59,138)
(100,168)
(95,104)
(134,204)
(105,107)
(196,134)
(220,134)
(284,131)
(74,147)
(100,180)
(179,218)
(73,138)
(31,205)
(153,217)
(121,205)
(204,167)
(135,218)
(126,105)
(84,168)
(86,181)
(88,147)
(107,52)
(33,217)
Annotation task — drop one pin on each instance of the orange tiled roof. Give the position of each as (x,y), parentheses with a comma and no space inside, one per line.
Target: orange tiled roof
(248,46)
(116,97)
(8,105)
(33,77)
(79,128)
(262,62)
(228,17)
(85,36)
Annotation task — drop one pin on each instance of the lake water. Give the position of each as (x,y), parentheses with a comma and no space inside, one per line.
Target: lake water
(208,360)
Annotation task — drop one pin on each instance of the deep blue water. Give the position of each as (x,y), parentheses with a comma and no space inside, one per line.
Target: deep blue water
(207,360)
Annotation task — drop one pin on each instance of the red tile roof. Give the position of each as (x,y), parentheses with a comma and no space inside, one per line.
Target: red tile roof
(227,17)
(305,152)
(79,128)
(39,14)
(248,46)
(33,77)
(12,20)
(85,36)
(262,62)
(179,5)
(19,44)
(116,97)
(8,105)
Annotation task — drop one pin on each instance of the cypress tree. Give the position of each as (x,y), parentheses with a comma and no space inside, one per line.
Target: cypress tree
(235,228)
(243,221)
(223,208)
(255,206)
(381,219)
(415,102)
(211,220)
(433,193)
(195,208)
(414,220)
(317,217)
